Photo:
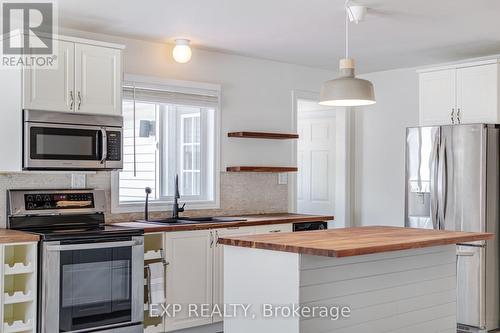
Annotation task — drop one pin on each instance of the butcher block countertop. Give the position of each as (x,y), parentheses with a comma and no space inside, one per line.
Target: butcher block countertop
(354,241)
(14,236)
(251,220)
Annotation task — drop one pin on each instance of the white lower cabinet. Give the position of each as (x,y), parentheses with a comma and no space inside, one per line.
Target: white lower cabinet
(195,271)
(19,287)
(189,275)
(219,263)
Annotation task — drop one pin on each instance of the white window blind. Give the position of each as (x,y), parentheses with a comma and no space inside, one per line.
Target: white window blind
(152,94)
(168,132)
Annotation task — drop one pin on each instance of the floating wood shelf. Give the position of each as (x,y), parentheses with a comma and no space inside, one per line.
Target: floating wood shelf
(263,135)
(260,169)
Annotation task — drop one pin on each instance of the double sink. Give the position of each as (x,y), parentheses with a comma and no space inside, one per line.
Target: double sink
(193,220)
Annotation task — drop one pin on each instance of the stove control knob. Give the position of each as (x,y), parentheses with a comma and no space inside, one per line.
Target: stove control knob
(46,198)
(29,198)
(30,205)
(46,205)
(38,197)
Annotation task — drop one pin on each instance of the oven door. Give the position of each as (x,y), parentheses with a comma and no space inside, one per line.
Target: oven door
(88,286)
(59,146)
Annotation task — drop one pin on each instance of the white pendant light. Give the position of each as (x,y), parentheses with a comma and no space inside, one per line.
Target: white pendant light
(347,90)
(182,52)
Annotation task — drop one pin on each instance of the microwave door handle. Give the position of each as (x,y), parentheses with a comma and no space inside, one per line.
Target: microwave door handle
(104,145)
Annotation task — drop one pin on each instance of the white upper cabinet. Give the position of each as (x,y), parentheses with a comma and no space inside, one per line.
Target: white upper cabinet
(98,79)
(461,95)
(52,89)
(437,97)
(477,94)
(88,79)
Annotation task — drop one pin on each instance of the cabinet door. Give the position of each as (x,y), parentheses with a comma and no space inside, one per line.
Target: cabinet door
(272,228)
(189,275)
(11,123)
(477,94)
(98,79)
(219,264)
(437,97)
(51,89)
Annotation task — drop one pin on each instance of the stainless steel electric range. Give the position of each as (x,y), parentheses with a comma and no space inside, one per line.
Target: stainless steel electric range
(90,276)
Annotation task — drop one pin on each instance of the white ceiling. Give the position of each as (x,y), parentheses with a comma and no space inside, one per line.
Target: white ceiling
(395,34)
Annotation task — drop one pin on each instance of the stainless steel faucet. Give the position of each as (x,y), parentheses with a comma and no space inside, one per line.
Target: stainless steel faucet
(146,206)
(176,209)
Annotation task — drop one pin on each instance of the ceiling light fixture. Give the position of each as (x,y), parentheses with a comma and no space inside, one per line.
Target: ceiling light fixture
(182,52)
(347,90)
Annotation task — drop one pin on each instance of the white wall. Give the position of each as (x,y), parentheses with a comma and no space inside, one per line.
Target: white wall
(256,93)
(379,140)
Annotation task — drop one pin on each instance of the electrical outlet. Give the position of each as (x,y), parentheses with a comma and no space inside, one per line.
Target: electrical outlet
(78,180)
(282,178)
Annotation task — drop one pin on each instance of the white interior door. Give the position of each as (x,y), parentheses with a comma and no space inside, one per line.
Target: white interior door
(97,79)
(51,89)
(316,162)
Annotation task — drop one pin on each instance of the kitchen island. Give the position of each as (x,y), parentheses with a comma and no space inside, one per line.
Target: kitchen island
(367,279)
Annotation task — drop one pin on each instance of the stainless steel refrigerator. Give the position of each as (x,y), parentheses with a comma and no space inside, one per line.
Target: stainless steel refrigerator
(452,183)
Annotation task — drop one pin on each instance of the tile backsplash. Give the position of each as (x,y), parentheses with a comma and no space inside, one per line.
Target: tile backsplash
(241,193)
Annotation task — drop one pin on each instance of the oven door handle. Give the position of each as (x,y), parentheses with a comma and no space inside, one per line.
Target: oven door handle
(92,246)
(104,147)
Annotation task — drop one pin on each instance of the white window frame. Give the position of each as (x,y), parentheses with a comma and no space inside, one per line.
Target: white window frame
(166,205)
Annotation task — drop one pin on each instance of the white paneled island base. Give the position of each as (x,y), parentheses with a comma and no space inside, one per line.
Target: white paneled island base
(401,291)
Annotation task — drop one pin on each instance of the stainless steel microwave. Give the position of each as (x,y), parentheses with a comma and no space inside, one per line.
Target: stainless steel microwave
(71,141)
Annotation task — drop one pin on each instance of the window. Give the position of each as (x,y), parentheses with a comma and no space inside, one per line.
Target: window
(167,132)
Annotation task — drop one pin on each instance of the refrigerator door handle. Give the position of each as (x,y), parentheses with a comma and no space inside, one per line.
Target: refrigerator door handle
(434,185)
(442,183)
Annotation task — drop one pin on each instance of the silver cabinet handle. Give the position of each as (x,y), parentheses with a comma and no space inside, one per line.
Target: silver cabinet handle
(79,101)
(216,238)
(91,246)
(453,116)
(458,116)
(275,230)
(211,239)
(72,100)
